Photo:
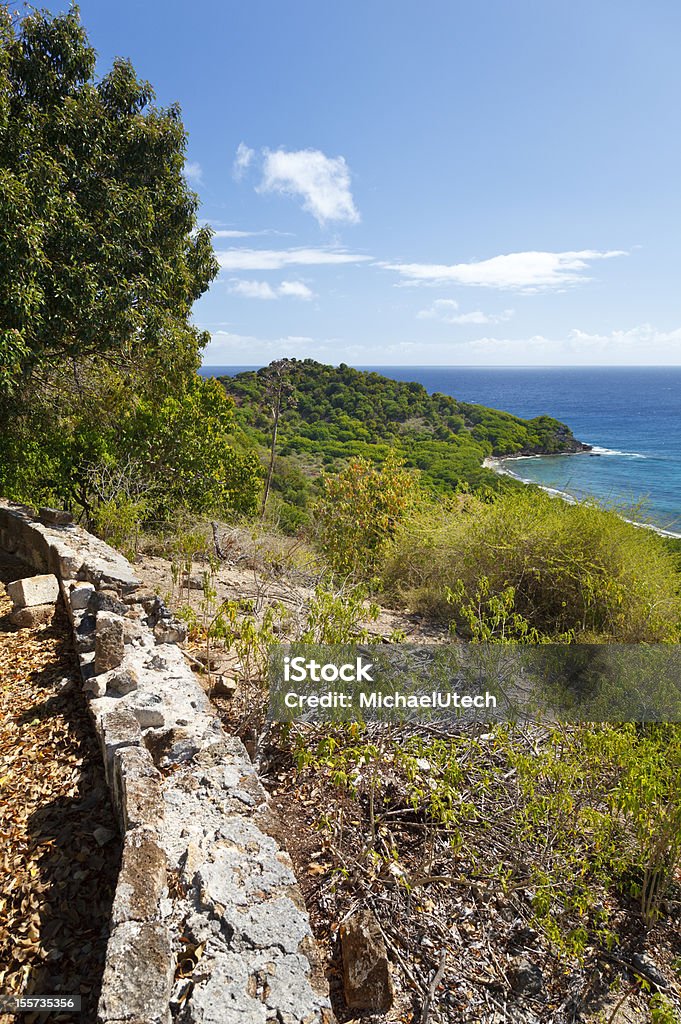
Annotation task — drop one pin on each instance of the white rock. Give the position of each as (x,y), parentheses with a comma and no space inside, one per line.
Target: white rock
(34,590)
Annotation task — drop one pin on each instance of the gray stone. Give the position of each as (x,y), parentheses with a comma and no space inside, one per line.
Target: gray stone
(34,591)
(55,517)
(95,686)
(366,972)
(526,978)
(79,595)
(138,975)
(109,646)
(276,922)
(222,994)
(116,729)
(103,836)
(107,601)
(222,686)
(122,681)
(142,878)
(27,618)
(137,788)
(192,581)
(170,631)
(148,709)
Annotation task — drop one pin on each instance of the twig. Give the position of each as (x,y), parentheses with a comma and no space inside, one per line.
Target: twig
(432,988)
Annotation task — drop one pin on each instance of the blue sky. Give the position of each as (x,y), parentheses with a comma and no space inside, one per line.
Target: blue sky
(486,182)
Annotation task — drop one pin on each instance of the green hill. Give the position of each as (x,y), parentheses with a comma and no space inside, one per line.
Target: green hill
(334,413)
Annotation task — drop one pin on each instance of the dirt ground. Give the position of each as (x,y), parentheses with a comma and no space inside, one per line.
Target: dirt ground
(59,844)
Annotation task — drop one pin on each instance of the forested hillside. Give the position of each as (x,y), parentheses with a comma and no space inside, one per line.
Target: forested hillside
(332,413)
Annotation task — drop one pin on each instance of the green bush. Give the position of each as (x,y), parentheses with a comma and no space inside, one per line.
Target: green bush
(575,571)
(360,510)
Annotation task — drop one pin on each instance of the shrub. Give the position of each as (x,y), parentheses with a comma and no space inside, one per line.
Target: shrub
(360,509)
(574,570)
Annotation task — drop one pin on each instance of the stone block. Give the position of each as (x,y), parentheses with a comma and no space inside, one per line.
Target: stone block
(34,591)
(138,974)
(137,788)
(366,971)
(170,631)
(109,645)
(142,878)
(116,729)
(27,618)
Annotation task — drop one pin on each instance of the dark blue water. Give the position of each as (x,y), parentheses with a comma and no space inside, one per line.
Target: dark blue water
(631,415)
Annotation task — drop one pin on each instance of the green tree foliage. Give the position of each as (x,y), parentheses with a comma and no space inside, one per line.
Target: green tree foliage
(359,512)
(563,571)
(98,248)
(101,260)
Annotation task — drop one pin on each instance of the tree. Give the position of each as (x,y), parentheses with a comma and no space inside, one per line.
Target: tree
(101,260)
(278,394)
(99,251)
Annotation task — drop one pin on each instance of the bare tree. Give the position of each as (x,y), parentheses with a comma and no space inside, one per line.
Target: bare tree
(278,395)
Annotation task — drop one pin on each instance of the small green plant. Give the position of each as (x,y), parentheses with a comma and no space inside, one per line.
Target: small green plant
(662,1011)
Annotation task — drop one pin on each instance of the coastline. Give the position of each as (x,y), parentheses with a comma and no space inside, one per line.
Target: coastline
(495,464)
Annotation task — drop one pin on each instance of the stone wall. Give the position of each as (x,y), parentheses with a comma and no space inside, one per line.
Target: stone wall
(208,924)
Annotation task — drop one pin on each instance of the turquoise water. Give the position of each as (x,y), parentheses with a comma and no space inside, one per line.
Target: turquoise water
(632,417)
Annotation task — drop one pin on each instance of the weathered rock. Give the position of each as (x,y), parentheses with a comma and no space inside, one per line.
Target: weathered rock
(366,971)
(170,631)
(109,646)
(95,686)
(138,975)
(116,729)
(142,878)
(148,709)
(79,595)
(122,681)
(192,581)
(34,591)
(54,517)
(107,601)
(137,788)
(103,835)
(27,618)
(526,978)
(222,686)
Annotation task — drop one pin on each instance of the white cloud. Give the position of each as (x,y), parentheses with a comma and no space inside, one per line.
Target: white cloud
(234,233)
(323,182)
(517,271)
(193,172)
(263,290)
(296,289)
(242,160)
(252,289)
(447,311)
(276,259)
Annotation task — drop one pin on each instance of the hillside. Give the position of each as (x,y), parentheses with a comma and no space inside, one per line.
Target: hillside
(333,413)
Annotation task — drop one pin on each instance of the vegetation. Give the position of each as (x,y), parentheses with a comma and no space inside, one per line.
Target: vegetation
(338,413)
(102,259)
(527,561)
(360,509)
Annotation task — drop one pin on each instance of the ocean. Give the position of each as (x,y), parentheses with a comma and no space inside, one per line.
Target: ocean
(631,415)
